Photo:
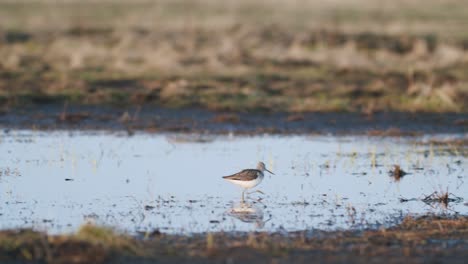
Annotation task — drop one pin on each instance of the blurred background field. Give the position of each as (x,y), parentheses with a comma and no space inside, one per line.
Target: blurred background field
(292,56)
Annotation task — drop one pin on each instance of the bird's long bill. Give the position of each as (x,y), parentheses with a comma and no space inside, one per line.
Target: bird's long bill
(270,172)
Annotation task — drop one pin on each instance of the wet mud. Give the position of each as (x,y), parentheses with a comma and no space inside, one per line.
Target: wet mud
(195,120)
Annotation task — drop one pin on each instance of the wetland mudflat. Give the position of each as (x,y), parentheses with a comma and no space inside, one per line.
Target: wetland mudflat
(57,181)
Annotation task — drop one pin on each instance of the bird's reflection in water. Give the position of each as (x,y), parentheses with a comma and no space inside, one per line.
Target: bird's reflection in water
(249,213)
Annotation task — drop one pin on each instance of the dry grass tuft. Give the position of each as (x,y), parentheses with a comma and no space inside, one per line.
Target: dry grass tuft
(397,173)
(441,197)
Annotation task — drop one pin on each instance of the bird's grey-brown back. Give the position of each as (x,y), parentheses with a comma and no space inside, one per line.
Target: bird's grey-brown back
(249,174)
(245,175)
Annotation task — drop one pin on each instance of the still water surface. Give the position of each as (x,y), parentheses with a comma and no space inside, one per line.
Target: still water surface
(57,181)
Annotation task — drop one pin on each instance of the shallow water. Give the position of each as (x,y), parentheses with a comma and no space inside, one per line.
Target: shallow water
(58,181)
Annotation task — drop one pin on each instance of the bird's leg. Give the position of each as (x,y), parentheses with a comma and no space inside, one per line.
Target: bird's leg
(243,191)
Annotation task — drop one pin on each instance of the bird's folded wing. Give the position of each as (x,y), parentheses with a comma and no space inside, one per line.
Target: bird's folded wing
(245,175)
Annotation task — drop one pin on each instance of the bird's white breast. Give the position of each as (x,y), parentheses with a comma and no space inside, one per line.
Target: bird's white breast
(248,184)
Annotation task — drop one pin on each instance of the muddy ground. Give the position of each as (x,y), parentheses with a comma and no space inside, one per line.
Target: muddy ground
(428,239)
(196,120)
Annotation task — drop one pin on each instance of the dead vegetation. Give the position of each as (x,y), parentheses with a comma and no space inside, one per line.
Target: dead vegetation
(225,58)
(226,118)
(455,142)
(391,132)
(412,241)
(448,146)
(441,197)
(397,173)
(90,244)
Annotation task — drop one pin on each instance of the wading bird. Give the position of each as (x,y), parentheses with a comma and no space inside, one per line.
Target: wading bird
(248,178)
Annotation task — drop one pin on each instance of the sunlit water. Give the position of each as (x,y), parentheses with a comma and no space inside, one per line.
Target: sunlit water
(58,181)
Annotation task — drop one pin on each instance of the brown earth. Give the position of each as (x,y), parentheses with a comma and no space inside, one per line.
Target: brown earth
(428,239)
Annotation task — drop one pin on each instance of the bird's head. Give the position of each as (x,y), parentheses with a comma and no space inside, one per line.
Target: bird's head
(261,166)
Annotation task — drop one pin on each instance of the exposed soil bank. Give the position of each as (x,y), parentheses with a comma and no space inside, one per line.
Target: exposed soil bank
(426,239)
(153,119)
